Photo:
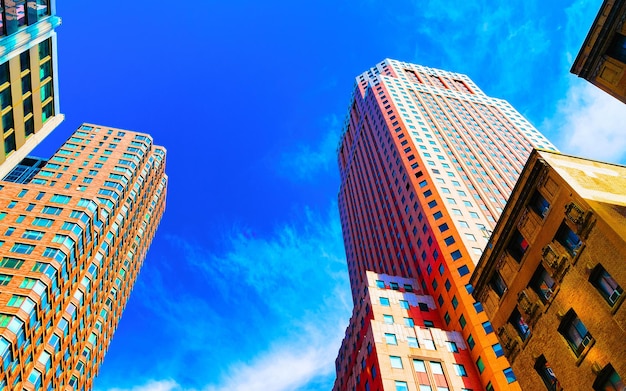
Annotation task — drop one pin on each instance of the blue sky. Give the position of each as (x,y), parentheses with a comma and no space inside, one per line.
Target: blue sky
(245,286)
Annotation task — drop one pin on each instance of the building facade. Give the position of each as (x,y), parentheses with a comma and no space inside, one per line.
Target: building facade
(427,162)
(72,241)
(551,279)
(602,57)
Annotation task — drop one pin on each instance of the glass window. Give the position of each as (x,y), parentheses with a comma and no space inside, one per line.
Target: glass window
(391,339)
(460,369)
(384,301)
(568,239)
(547,374)
(396,362)
(404,304)
(519,324)
(510,376)
(609,380)
(539,204)
(412,342)
(497,284)
(575,332)
(543,284)
(401,386)
(388,319)
(606,285)
(517,246)
(409,322)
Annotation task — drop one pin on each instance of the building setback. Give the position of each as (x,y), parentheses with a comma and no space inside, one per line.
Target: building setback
(552,277)
(72,242)
(29,94)
(427,162)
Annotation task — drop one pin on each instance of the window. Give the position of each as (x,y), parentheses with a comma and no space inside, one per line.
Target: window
(396,362)
(510,376)
(539,204)
(42,222)
(22,248)
(404,304)
(463,270)
(384,301)
(568,239)
(429,323)
(51,210)
(460,369)
(547,374)
(391,339)
(543,284)
(575,332)
(4,279)
(480,365)
(33,235)
(388,319)
(606,285)
(452,347)
(608,380)
(519,324)
(497,349)
(394,286)
(488,327)
(409,322)
(60,199)
(380,284)
(401,386)
(497,284)
(412,342)
(617,49)
(517,246)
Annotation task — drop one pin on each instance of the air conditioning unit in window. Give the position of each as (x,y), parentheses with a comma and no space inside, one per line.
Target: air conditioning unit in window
(614,296)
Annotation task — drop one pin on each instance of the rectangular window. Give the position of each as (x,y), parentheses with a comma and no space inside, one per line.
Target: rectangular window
(22,248)
(391,339)
(608,379)
(497,284)
(543,284)
(33,235)
(568,239)
(396,362)
(11,263)
(384,301)
(606,285)
(51,210)
(575,332)
(547,374)
(412,342)
(388,319)
(519,324)
(539,204)
(517,246)
(404,304)
(60,199)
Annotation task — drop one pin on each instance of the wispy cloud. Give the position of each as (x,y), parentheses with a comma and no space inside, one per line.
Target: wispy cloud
(306,162)
(590,123)
(586,121)
(283,297)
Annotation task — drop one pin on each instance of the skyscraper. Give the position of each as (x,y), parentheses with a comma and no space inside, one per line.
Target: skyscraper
(72,242)
(427,162)
(29,95)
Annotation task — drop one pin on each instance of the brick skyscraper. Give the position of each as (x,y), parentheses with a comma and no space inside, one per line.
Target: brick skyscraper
(427,162)
(72,241)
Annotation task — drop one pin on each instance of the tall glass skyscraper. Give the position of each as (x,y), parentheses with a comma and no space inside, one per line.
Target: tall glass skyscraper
(29,93)
(427,162)
(72,241)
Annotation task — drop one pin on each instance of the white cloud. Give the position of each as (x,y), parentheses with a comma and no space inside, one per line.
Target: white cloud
(152,385)
(307,161)
(590,123)
(292,282)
